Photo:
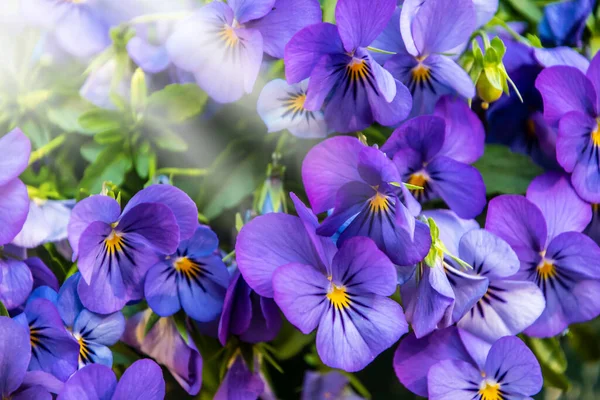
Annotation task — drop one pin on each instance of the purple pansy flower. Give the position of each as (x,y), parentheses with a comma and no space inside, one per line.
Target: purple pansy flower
(164,343)
(564,21)
(509,305)
(429,29)
(571,103)
(240,383)
(281,106)
(142,380)
(360,184)
(451,363)
(115,250)
(435,155)
(15,381)
(436,296)
(544,231)
(46,223)
(53,349)
(250,316)
(355,89)
(193,278)
(275,239)
(93,332)
(233,37)
(331,386)
(14,202)
(347,301)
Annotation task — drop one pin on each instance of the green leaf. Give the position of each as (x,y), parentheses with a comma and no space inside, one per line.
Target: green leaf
(549,353)
(176,103)
(109,137)
(528,9)
(66,116)
(491,58)
(583,338)
(90,151)
(290,341)
(99,120)
(506,172)
(152,320)
(111,165)
(3,310)
(169,140)
(143,158)
(555,379)
(328,7)
(499,47)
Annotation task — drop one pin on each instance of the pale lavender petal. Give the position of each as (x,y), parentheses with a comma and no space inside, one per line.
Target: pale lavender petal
(453,380)
(248,10)
(15,147)
(489,255)
(14,206)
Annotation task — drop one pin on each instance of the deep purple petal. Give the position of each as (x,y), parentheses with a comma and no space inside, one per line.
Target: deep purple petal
(425,135)
(268,242)
(248,10)
(390,39)
(327,167)
(94,208)
(511,308)
(265,323)
(181,205)
(573,142)
(460,185)
(307,47)
(318,386)
(414,357)
(15,147)
(160,289)
(301,293)
(351,338)
(68,303)
(16,351)
(518,221)
(142,380)
(202,244)
(44,380)
(363,268)
(565,89)
(16,282)
(155,223)
(489,255)
(575,254)
(34,392)
(465,135)
(439,26)
(390,113)
(562,208)
(361,22)
(14,207)
(240,383)
(237,308)
(91,382)
(453,380)
(42,275)
(510,359)
(202,297)
(284,21)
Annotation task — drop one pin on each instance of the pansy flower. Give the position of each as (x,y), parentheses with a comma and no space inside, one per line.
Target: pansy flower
(115,250)
(193,278)
(564,21)
(165,344)
(331,385)
(53,349)
(429,30)
(544,231)
(281,106)
(355,89)
(142,380)
(434,153)
(347,301)
(363,188)
(571,103)
(248,315)
(438,295)
(451,363)
(93,332)
(14,202)
(46,223)
(15,381)
(233,37)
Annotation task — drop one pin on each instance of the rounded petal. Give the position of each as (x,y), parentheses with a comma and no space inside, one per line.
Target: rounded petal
(237,309)
(16,282)
(573,141)
(14,207)
(142,380)
(448,73)
(453,380)
(15,147)
(101,329)
(248,10)
(93,382)
(489,255)
(425,135)
(160,289)
(301,293)
(150,58)
(360,22)
(68,303)
(16,352)
(154,222)
(42,275)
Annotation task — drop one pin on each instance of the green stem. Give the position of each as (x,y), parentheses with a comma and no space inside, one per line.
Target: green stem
(47,149)
(182,171)
(228,256)
(376,50)
(281,142)
(510,30)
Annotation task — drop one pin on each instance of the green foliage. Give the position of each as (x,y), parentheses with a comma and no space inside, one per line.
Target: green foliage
(176,103)
(111,165)
(552,359)
(506,172)
(3,310)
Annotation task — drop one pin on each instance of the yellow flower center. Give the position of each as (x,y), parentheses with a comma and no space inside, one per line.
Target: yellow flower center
(113,242)
(229,36)
(357,69)
(296,103)
(490,391)
(418,179)
(379,203)
(338,297)
(596,133)
(546,269)
(34,336)
(84,351)
(421,73)
(187,267)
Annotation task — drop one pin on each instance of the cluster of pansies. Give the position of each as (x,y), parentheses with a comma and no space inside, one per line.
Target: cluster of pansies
(410,225)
